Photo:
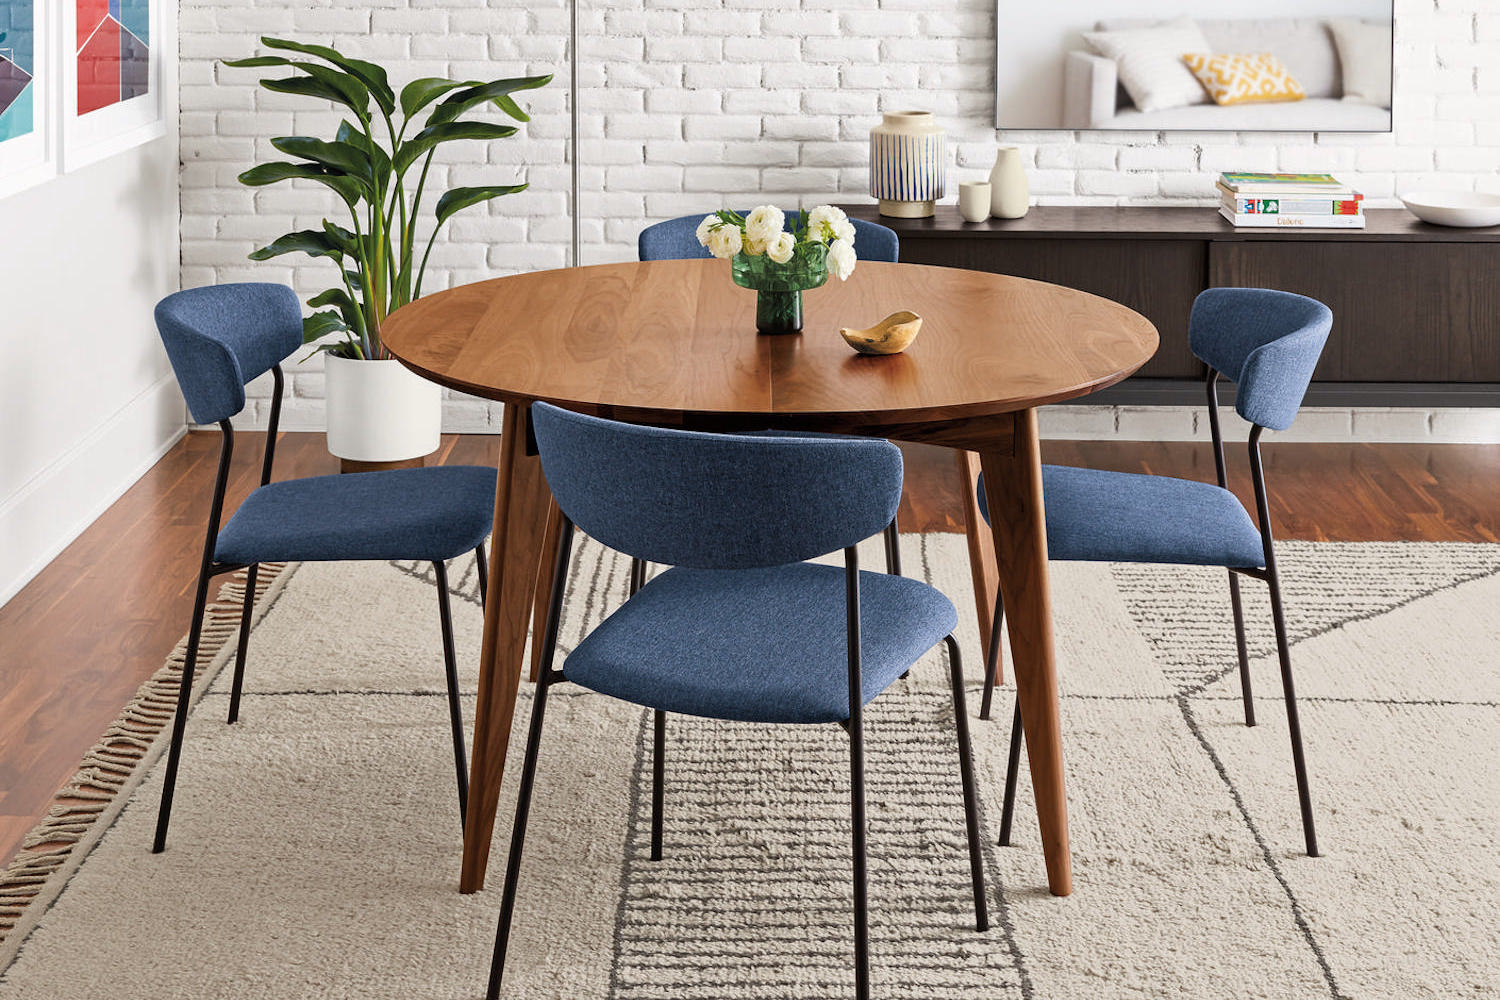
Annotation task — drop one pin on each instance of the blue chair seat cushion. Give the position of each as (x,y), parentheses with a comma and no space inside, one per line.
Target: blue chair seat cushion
(1094,515)
(760,645)
(418,514)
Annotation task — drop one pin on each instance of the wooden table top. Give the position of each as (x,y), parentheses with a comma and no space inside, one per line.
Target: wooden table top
(671,341)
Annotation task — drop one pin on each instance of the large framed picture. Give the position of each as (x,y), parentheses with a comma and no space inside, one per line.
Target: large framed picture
(28,81)
(112,83)
(1163,65)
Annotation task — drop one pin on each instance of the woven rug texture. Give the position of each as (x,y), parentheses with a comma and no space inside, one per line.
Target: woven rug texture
(314,848)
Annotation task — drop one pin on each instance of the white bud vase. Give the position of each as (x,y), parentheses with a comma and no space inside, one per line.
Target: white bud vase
(1010,193)
(908,164)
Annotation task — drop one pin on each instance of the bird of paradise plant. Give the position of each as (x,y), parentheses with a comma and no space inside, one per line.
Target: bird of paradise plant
(367,166)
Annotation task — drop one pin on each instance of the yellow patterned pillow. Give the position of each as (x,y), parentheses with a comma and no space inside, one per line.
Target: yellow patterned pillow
(1242,79)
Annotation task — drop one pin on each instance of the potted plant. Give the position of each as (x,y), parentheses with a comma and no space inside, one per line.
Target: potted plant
(377,410)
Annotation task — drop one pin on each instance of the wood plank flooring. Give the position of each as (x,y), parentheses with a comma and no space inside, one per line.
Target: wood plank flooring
(80,638)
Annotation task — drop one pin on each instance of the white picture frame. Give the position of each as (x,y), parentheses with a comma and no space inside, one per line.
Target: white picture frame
(94,134)
(29,157)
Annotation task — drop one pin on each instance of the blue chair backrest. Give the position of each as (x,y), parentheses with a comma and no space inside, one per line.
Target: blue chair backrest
(677,239)
(1268,342)
(715,501)
(222,336)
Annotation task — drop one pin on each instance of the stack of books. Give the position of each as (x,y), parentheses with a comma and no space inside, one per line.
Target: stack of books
(1313,201)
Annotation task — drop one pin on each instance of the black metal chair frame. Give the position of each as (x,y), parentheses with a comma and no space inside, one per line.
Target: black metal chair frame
(1278,618)
(211,568)
(854,726)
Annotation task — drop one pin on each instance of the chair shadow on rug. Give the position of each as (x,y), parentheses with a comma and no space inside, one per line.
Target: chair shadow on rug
(218,339)
(741,628)
(1268,343)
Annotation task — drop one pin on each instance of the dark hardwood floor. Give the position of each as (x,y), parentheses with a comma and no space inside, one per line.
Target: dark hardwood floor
(80,638)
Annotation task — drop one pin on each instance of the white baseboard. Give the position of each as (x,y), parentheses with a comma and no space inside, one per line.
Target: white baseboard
(1370,424)
(1080,422)
(54,507)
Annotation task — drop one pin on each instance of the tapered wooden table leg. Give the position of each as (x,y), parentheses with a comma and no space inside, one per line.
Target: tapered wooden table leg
(1013,492)
(981,555)
(543,592)
(521,499)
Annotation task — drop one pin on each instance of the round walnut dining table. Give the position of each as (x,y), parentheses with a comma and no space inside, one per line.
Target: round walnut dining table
(673,343)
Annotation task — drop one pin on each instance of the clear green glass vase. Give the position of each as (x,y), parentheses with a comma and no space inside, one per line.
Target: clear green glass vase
(779,287)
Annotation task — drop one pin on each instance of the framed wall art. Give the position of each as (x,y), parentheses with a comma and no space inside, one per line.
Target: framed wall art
(112,78)
(28,79)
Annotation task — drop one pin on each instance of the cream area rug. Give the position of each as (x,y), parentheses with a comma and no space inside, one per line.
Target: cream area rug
(314,849)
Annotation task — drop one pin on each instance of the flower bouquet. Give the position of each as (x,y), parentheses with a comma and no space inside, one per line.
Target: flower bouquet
(781,256)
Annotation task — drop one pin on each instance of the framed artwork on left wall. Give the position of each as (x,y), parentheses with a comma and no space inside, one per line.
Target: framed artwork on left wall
(28,84)
(112,77)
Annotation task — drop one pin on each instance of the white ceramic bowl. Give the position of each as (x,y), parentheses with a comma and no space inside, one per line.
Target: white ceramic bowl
(1454,208)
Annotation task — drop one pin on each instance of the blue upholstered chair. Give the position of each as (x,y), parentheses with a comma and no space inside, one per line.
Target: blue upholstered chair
(1266,342)
(677,239)
(219,338)
(740,628)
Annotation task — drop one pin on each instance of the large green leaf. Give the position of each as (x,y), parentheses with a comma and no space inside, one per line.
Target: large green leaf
(372,76)
(321,324)
(467,98)
(417,146)
(356,94)
(421,92)
(308,86)
(313,242)
(344,157)
(379,159)
(348,188)
(461,198)
(339,299)
(256,62)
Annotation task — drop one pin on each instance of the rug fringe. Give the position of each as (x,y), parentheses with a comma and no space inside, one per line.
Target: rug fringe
(109,764)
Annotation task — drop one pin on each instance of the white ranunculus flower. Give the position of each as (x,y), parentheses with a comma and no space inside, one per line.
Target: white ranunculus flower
(782,247)
(844,230)
(724,242)
(705,227)
(821,223)
(762,225)
(841,258)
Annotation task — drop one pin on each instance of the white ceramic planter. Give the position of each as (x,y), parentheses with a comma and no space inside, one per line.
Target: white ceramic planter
(380,412)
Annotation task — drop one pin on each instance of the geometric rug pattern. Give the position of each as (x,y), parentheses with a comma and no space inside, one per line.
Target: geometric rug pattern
(314,845)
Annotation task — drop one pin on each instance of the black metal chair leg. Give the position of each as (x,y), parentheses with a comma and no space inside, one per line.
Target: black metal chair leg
(1294,726)
(856,730)
(450,670)
(179,720)
(1012,775)
(992,656)
(1239,639)
(893,548)
(482,565)
(244,645)
(971,799)
(518,837)
(658,781)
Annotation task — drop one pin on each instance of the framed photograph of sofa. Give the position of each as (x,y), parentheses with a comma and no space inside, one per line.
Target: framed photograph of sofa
(1154,65)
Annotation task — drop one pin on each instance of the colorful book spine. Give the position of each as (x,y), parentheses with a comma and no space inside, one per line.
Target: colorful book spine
(1293,206)
(1277,220)
(1340,192)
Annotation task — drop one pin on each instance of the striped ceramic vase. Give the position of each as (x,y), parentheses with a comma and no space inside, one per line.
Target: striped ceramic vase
(908,160)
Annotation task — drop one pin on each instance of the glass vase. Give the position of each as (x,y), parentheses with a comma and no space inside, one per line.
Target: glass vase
(779,287)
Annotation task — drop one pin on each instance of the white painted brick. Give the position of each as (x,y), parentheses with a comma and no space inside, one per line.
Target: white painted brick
(688,105)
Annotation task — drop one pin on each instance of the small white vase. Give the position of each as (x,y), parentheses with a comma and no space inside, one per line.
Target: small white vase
(1010,193)
(908,164)
(378,411)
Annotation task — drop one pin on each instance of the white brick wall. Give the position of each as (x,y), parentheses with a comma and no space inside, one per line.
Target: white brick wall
(690,105)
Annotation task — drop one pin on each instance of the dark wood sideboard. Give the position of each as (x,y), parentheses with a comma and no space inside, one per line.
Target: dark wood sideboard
(1416,307)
